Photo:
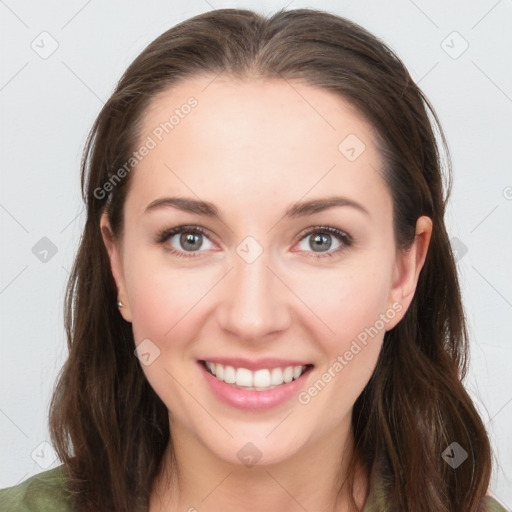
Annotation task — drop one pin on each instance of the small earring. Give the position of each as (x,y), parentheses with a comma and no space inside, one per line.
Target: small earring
(119,304)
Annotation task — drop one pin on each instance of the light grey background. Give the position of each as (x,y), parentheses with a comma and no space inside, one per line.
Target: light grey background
(50,100)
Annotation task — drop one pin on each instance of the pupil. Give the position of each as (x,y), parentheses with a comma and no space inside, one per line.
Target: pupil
(190,238)
(320,239)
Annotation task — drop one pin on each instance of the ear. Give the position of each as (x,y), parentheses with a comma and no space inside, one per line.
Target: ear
(113,247)
(408,265)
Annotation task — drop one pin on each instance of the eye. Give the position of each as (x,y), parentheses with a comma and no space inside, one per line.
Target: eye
(184,241)
(323,239)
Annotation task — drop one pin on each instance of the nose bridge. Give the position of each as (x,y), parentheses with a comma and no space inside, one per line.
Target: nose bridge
(255,301)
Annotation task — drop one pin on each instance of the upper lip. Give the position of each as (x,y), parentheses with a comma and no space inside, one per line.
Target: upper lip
(259,364)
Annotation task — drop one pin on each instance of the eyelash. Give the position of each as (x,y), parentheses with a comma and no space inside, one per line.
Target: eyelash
(342,236)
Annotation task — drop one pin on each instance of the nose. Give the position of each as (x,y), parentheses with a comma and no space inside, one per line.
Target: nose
(255,301)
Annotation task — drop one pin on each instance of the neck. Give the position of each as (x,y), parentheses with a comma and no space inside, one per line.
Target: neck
(194,479)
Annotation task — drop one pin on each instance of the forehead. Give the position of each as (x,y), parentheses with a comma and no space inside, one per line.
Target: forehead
(217,136)
(230,110)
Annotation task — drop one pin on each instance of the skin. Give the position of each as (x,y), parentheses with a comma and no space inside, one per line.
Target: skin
(253,148)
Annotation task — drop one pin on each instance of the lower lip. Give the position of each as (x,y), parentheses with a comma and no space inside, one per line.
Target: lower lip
(254,400)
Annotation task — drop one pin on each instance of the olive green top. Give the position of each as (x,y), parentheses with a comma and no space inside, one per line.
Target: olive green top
(48,492)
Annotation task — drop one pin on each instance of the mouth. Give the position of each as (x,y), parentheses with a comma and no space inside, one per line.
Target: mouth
(263,379)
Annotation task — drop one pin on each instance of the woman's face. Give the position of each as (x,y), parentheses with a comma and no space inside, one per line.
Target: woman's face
(274,279)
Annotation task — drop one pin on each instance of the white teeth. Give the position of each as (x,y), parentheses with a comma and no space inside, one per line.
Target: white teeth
(260,380)
(276,377)
(229,375)
(243,377)
(288,374)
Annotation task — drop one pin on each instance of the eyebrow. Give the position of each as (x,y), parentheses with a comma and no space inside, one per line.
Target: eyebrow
(298,209)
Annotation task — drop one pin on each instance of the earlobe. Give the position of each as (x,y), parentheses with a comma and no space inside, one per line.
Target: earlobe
(408,266)
(116,266)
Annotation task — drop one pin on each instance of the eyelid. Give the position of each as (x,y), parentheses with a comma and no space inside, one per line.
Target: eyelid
(167,233)
(340,233)
(345,239)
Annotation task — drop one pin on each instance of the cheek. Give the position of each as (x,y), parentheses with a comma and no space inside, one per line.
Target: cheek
(161,302)
(344,301)
(162,305)
(355,310)
(349,301)
(159,295)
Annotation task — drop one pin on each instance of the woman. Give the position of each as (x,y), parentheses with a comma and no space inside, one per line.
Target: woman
(271,373)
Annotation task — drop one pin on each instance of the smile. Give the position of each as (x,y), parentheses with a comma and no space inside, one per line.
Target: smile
(259,380)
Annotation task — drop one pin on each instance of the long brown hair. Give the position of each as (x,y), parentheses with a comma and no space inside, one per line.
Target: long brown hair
(107,424)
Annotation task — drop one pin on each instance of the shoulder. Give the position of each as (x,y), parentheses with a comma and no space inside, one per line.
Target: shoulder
(46,491)
(376,501)
(490,504)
